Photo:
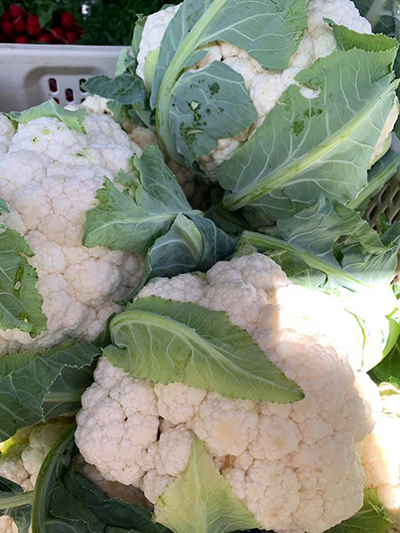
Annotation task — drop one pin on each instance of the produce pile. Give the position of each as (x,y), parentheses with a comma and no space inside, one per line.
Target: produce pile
(199,330)
(22,27)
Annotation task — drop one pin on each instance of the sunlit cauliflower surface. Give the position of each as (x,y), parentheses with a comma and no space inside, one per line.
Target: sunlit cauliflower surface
(381,456)
(297,467)
(49,175)
(266,87)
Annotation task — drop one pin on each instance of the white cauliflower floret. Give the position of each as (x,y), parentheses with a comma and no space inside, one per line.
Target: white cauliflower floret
(49,176)
(381,458)
(153,32)
(117,424)
(266,87)
(296,467)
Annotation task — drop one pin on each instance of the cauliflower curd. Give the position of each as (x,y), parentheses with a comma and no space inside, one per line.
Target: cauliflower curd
(49,175)
(296,467)
(266,87)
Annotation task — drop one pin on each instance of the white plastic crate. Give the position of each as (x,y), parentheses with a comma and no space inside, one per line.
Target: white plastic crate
(30,74)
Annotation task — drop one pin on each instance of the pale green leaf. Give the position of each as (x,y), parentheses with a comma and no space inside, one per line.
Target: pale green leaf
(201,500)
(50,109)
(371,518)
(166,342)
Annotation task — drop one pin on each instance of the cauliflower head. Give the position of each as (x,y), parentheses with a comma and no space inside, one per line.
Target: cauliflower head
(49,175)
(380,456)
(266,87)
(296,467)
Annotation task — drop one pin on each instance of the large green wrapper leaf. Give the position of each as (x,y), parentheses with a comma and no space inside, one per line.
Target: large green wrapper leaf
(201,500)
(270,33)
(50,109)
(371,518)
(166,342)
(20,301)
(208,105)
(131,220)
(67,502)
(306,147)
(358,261)
(38,387)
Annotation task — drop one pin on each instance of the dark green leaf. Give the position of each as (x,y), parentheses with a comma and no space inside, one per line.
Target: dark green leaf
(16,504)
(192,244)
(208,105)
(35,387)
(67,502)
(125,88)
(20,301)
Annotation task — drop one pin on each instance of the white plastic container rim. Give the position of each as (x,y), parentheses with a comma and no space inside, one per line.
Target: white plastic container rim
(30,74)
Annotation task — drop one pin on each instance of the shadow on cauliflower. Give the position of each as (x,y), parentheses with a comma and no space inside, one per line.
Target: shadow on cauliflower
(295,467)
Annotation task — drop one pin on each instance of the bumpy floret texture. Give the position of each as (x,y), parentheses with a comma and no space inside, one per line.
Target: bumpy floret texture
(266,87)
(381,457)
(22,462)
(49,175)
(194,188)
(297,467)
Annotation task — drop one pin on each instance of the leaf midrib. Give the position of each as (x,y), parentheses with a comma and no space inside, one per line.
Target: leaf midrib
(188,334)
(283,175)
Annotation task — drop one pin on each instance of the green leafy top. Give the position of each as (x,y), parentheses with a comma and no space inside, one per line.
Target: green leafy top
(50,109)
(152,216)
(166,341)
(333,239)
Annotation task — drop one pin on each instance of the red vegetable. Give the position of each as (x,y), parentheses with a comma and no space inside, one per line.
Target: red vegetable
(58,34)
(67,20)
(21,39)
(71,37)
(7,27)
(77,29)
(5,16)
(20,25)
(16,11)
(33,26)
(44,38)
